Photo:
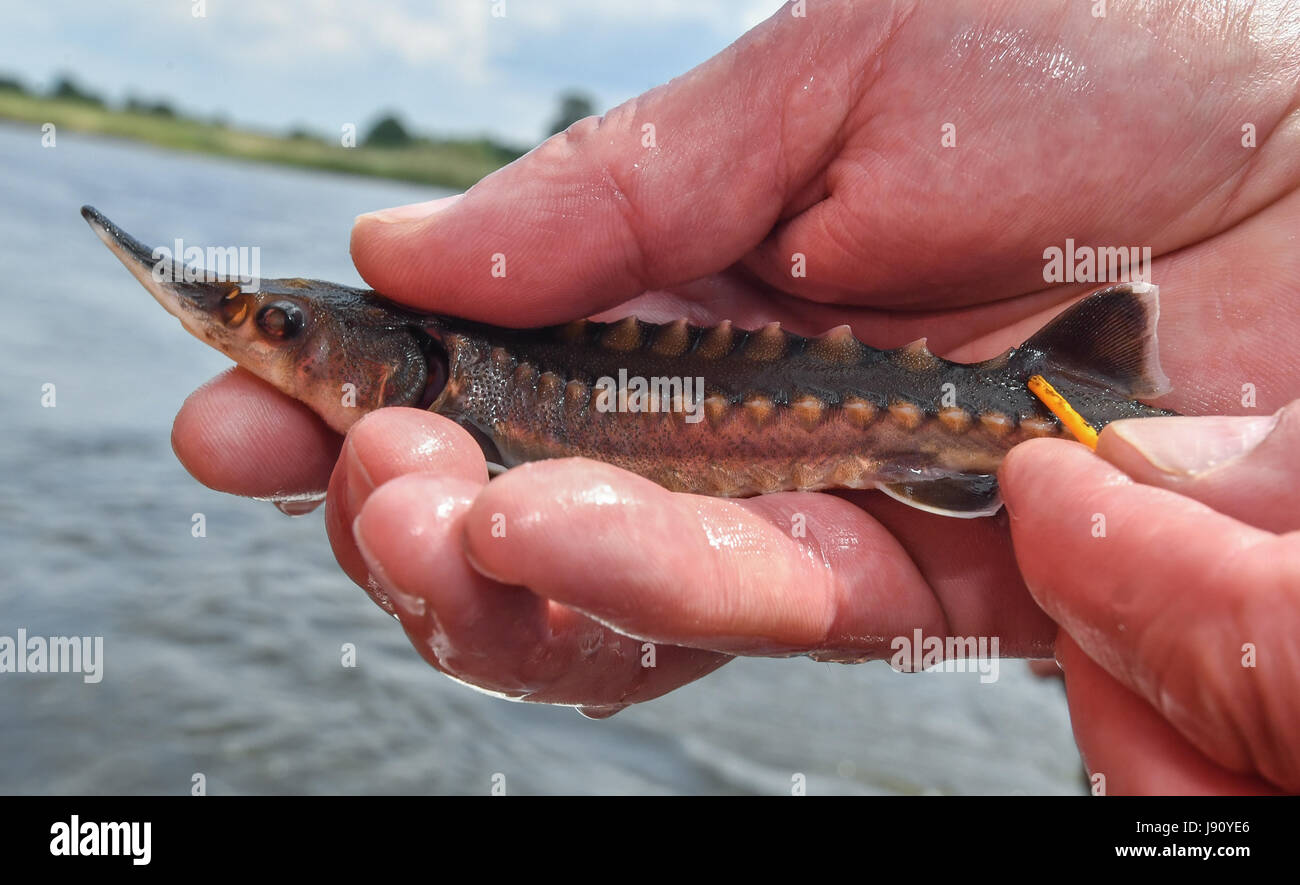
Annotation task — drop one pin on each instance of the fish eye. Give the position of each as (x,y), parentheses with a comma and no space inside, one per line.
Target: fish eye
(281,319)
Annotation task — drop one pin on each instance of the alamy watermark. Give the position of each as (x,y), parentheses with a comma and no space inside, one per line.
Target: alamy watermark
(78,838)
(634,393)
(213,264)
(1096,264)
(53,654)
(951,654)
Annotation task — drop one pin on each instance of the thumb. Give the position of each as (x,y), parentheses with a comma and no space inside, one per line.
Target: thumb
(1245,467)
(1188,608)
(1128,747)
(670,186)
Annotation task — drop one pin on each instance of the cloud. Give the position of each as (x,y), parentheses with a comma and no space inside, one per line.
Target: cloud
(722,16)
(461,32)
(291,32)
(445,65)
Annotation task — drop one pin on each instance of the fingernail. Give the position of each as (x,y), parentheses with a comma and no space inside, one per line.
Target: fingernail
(1191,446)
(401,603)
(409,212)
(479,567)
(359,483)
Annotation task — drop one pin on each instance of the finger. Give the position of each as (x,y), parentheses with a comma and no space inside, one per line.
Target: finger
(383,445)
(1247,468)
(240,435)
(970,567)
(501,639)
(675,184)
(1045,669)
(878,235)
(778,574)
(1192,610)
(1129,748)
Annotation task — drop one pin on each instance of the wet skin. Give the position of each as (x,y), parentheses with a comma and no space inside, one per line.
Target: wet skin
(822,136)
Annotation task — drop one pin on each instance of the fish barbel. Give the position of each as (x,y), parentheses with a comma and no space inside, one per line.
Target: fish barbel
(711,410)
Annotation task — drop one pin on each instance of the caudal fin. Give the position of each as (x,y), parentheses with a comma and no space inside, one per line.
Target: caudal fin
(1109,340)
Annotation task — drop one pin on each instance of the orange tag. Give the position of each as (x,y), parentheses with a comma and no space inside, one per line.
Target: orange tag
(1072,420)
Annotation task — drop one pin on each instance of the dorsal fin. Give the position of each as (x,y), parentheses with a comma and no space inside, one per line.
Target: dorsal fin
(1107,340)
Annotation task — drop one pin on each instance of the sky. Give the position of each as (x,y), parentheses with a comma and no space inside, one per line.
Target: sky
(447,67)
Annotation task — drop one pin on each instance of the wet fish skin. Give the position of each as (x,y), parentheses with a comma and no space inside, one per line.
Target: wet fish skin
(785,412)
(779,411)
(355,352)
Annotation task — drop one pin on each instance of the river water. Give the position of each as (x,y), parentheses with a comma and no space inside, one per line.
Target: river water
(222,653)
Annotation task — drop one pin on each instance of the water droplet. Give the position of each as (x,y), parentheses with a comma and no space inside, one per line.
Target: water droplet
(595,712)
(297,505)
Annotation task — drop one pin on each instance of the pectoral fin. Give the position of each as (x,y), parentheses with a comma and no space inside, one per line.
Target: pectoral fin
(965,496)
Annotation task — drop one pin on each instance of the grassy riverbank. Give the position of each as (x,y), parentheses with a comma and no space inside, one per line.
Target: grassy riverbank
(446,163)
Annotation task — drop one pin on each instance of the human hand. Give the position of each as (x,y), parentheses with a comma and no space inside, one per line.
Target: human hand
(1173,572)
(820,136)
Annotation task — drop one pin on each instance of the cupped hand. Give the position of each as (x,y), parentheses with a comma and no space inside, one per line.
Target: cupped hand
(814,144)
(1174,573)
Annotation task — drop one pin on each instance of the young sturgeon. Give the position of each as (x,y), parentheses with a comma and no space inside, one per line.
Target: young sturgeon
(778,411)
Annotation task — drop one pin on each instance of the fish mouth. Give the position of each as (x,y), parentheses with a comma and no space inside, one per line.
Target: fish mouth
(193,302)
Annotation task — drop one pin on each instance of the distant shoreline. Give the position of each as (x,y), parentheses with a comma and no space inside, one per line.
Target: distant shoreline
(451,163)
